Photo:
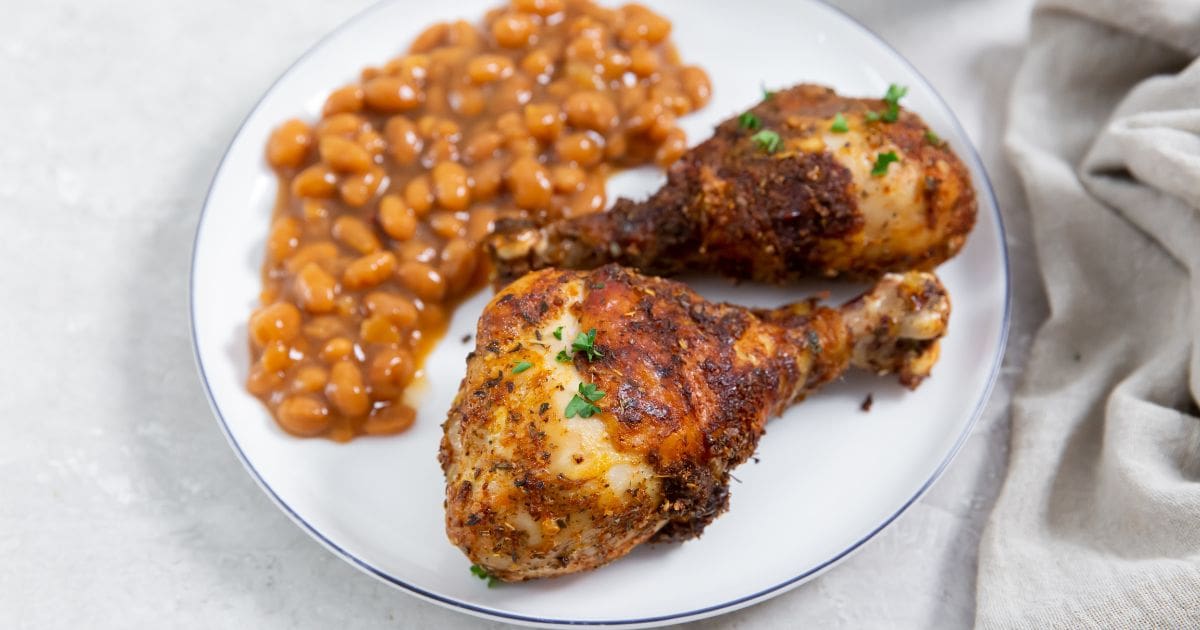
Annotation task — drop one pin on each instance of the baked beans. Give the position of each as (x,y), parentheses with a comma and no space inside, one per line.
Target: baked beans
(384,201)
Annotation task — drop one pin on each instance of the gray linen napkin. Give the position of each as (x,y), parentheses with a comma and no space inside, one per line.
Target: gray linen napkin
(1098,522)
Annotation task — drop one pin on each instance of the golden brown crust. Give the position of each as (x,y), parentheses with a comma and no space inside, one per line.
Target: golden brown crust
(696,381)
(497,452)
(688,386)
(808,210)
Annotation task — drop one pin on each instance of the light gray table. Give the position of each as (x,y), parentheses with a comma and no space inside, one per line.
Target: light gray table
(121,504)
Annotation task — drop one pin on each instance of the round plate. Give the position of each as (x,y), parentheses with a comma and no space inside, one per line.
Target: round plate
(828,476)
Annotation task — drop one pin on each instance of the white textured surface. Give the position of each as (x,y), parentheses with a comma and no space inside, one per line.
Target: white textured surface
(120,503)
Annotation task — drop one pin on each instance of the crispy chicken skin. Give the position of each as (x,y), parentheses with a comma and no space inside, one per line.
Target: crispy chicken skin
(811,209)
(688,387)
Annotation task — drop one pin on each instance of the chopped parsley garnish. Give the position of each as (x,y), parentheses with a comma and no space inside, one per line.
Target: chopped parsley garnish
(767,140)
(590,392)
(558,332)
(932,138)
(586,343)
(872,116)
(562,357)
(581,403)
(483,574)
(881,163)
(521,367)
(749,121)
(892,98)
(839,124)
(767,94)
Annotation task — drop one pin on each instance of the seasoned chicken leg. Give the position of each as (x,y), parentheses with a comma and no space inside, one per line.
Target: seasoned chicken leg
(603,409)
(824,203)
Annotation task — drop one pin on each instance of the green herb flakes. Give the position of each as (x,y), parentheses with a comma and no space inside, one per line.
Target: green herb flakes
(839,124)
(892,98)
(881,163)
(483,574)
(586,343)
(581,403)
(767,140)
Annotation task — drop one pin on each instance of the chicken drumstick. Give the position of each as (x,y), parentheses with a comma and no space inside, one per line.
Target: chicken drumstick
(823,199)
(603,409)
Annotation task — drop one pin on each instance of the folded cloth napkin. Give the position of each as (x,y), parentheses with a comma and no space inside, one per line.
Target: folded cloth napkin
(1098,522)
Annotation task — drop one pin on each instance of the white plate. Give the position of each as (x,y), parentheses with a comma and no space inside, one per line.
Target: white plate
(829,476)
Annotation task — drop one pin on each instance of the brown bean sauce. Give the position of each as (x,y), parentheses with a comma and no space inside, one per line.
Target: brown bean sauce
(384,201)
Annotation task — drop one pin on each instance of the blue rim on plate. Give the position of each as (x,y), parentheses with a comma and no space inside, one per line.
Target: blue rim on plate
(985,186)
